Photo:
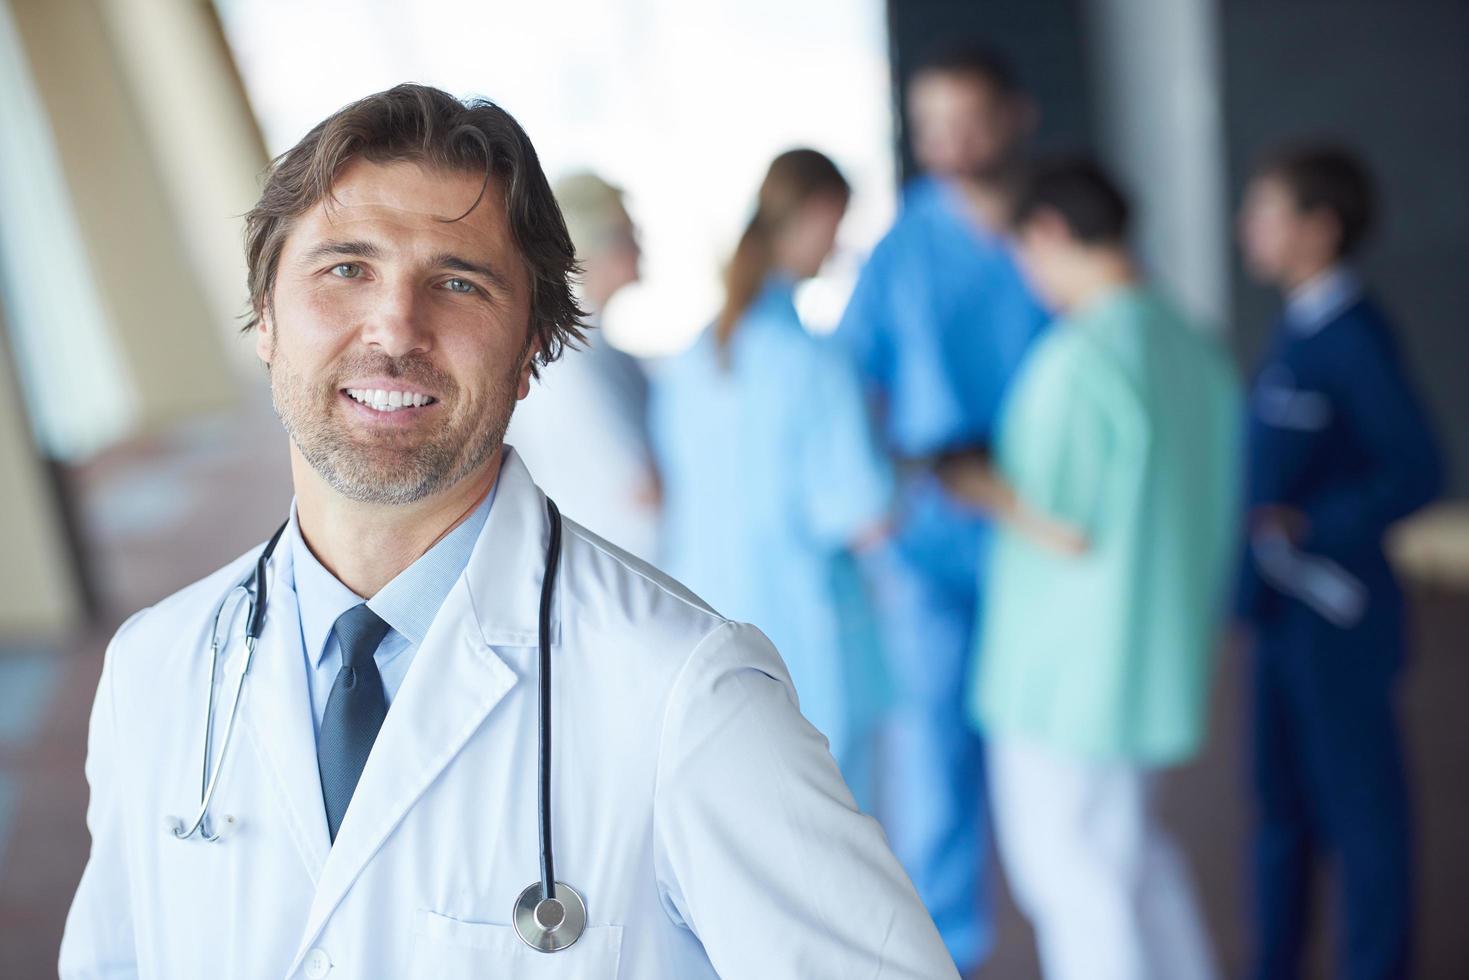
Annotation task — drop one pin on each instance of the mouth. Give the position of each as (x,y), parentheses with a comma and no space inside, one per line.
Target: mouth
(387,401)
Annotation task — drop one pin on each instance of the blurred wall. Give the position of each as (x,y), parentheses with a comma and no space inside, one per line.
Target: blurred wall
(40,593)
(1391,79)
(158,311)
(203,138)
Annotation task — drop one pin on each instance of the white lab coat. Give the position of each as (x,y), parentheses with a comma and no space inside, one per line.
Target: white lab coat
(695,809)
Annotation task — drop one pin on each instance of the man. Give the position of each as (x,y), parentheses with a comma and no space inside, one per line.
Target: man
(583,429)
(938,323)
(380,793)
(1339,449)
(1114,480)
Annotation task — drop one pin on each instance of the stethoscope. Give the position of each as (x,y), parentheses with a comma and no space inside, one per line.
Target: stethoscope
(549,915)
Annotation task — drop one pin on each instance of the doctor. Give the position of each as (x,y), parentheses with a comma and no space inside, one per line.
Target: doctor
(376,806)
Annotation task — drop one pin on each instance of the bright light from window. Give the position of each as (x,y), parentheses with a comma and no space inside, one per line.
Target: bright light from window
(681,104)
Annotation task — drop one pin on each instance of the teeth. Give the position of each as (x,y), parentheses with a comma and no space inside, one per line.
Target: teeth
(388,401)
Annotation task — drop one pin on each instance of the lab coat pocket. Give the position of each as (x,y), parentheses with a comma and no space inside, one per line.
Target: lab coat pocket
(445,948)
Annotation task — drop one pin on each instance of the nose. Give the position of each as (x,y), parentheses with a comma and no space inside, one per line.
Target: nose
(396,323)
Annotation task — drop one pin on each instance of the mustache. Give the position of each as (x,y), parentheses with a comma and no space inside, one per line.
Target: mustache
(415,369)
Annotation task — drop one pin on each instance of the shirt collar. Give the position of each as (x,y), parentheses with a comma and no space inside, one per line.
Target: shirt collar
(1321,299)
(408,603)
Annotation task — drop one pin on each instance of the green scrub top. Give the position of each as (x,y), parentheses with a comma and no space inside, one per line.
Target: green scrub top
(1124,422)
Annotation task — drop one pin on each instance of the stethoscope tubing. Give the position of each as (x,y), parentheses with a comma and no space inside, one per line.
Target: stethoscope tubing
(543,722)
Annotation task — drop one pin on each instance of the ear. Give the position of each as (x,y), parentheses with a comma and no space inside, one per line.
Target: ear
(265,334)
(1027,114)
(526,368)
(1047,227)
(1327,229)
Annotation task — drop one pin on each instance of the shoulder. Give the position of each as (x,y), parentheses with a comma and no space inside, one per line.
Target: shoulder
(170,639)
(1363,325)
(1360,336)
(1060,357)
(193,604)
(608,589)
(668,632)
(921,203)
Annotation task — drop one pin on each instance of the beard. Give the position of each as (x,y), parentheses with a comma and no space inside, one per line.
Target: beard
(392,466)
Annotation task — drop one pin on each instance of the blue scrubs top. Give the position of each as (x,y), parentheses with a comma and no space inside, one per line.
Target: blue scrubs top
(769,471)
(939,323)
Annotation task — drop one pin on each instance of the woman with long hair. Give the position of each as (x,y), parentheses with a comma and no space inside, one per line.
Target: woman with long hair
(773,480)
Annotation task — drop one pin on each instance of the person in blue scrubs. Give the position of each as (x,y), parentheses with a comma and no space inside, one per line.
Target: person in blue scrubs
(1339,449)
(772,478)
(939,322)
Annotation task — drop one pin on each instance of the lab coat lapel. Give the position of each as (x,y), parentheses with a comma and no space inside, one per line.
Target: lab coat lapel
(455,681)
(277,710)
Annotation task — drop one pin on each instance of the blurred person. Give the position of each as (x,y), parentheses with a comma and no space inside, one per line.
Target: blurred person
(1339,449)
(393,782)
(594,401)
(938,322)
(772,475)
(1114,480)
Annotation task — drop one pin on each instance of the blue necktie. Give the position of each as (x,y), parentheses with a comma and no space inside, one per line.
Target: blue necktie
(354,712)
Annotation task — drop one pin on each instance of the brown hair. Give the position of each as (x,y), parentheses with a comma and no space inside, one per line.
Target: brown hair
(794,178)
(427,126)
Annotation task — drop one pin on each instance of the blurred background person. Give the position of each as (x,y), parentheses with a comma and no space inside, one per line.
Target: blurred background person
(938,323)
(595,399)
(1339,449)
(772,477)
(1115,484)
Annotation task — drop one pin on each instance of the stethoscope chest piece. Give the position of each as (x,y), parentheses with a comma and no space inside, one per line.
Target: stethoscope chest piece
(550,924)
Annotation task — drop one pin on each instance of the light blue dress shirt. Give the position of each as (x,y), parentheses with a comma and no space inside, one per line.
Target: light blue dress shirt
(408,604)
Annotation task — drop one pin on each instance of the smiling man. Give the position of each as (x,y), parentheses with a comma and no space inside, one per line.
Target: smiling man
(403,761)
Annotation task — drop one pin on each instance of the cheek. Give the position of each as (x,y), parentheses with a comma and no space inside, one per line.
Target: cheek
(1268,238)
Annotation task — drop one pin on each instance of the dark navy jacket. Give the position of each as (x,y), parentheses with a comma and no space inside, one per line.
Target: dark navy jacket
(1336,432)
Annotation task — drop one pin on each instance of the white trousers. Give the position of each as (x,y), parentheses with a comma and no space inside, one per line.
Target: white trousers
(1101,882)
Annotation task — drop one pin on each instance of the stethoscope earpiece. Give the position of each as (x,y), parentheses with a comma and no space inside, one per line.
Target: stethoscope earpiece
(226,827)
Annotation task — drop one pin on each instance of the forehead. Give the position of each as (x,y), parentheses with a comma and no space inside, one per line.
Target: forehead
(1269,191)
(953,90)
(406,204)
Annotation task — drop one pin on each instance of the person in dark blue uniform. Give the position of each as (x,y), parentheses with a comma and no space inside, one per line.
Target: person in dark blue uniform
(938,324)
(1339,449)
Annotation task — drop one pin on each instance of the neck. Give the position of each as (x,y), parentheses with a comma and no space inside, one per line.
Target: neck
(1102,273)
(1297,277)
(990,197)
(365,545)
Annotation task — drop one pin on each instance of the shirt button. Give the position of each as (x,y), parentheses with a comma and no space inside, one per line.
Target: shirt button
(318,964)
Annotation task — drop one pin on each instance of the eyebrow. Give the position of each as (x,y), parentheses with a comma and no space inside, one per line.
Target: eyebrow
(365,250)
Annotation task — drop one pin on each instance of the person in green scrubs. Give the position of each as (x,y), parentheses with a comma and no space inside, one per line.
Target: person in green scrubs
(1114,479)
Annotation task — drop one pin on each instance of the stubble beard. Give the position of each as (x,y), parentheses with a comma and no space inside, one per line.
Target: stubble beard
(390,467)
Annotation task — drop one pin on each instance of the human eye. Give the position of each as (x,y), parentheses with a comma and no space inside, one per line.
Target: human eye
(346,270)
(457,285)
